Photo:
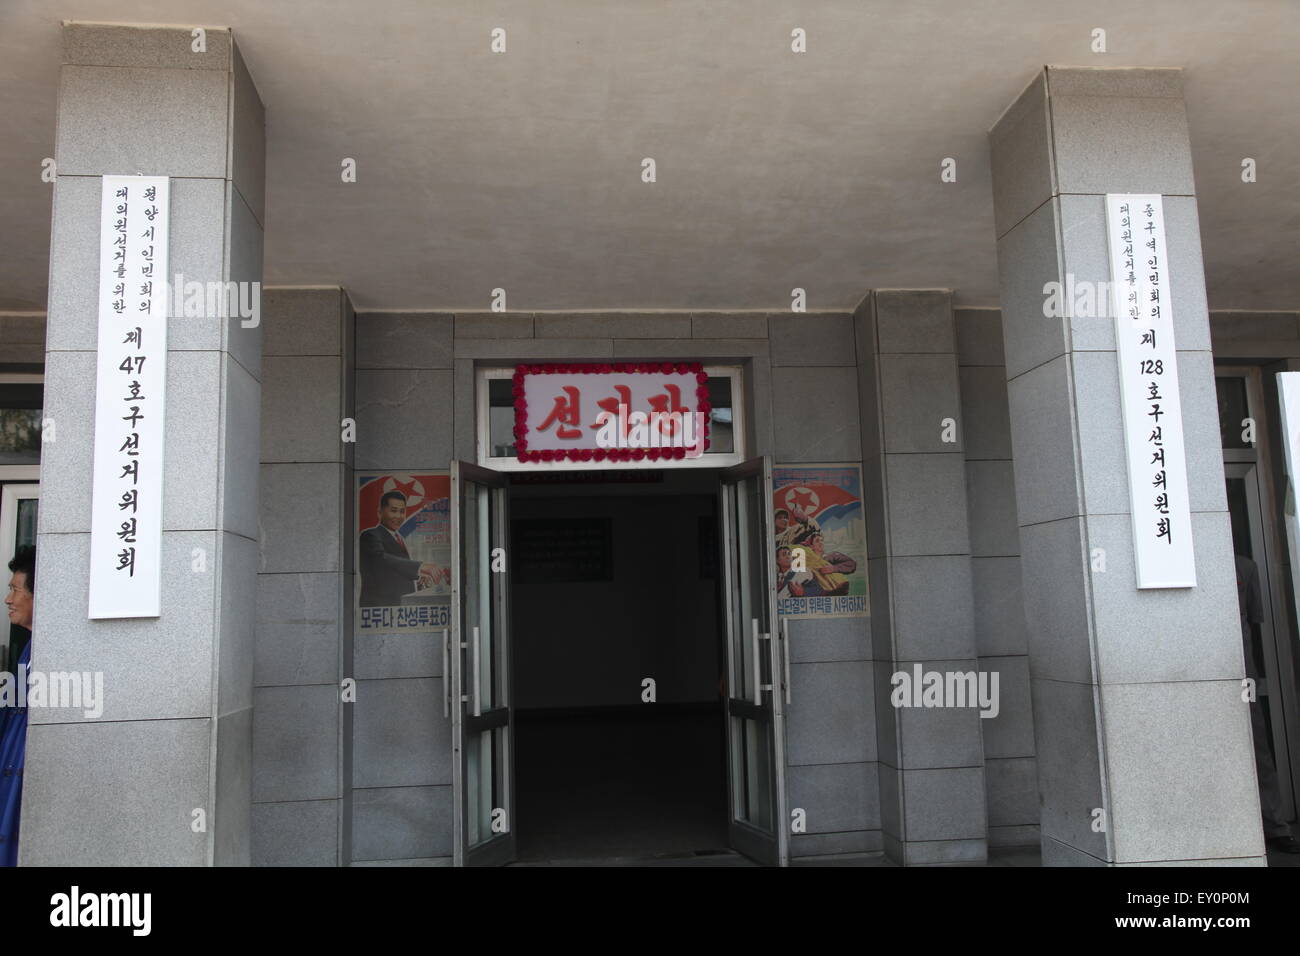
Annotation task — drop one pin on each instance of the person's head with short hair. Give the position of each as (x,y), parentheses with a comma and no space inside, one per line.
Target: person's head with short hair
(783,558)
(817,543)
(782,519)
(22,587)
(392,510)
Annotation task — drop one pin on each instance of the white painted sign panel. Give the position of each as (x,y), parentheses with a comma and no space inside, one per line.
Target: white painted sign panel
(635,412)
(1148,382)
(126,509)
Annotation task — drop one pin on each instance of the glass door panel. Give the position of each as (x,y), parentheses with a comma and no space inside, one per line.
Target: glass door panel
(756,681)
(482,718)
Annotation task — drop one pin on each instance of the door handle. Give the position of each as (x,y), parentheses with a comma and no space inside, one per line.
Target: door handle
(785,648)
(446,672)
(758,667)
(475,692)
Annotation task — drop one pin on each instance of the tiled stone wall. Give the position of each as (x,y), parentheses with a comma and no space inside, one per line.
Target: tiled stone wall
(1010,780)
(801,378)
(302,730)
(177,722)
(1121,709)
(302,614)
(931,765)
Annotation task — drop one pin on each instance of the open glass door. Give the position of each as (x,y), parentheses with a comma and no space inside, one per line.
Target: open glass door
(477,660)
(757,667)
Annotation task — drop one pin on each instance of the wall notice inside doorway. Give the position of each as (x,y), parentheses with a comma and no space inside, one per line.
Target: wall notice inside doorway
(636,602)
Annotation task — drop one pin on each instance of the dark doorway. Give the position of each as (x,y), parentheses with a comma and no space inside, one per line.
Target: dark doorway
(614,582)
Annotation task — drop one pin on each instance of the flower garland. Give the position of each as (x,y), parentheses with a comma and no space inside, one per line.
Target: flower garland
(525,454)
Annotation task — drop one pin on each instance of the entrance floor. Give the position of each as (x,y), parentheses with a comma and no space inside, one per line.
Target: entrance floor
(614,587)
(622,783)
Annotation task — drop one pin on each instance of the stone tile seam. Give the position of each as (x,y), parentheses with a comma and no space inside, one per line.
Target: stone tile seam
(219,179)
(1068,846)
(1107,514)
(936,352)
(234,188)
(950,451)
(267,803)
(364,466)
(248,371)
(1071,352)
(218,614)
(818,364)
(940,768)
(178,350)
(1082,491)
(412,677)
(156,69)
(1104,195)
(128,720)
(304,461)
(894,663)
(530,360)
(941,554)
(1235,681)
(169,531)
(1014,226)
(360,678)
(391,368)
(885,763)
(834,660)
(873,356)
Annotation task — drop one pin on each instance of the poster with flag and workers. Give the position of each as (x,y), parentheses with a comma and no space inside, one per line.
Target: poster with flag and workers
(403,556)
(821,549)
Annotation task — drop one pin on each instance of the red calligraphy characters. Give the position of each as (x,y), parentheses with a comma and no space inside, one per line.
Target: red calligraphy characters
(566,414)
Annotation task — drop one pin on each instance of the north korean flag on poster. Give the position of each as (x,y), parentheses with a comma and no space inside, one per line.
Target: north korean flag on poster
(820,531)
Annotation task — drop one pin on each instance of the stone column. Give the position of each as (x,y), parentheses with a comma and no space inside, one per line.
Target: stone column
(401,777)
(932,801)
(302,729)
(1009,776)
(830,740)
(175,736)
(1142,737)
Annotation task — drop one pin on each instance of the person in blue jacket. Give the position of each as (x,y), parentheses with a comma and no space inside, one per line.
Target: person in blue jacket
(13,719)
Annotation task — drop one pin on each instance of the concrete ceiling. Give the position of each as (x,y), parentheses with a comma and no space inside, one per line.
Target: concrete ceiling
(775,170)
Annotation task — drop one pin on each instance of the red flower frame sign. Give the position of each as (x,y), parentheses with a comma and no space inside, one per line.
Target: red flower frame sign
(613,411)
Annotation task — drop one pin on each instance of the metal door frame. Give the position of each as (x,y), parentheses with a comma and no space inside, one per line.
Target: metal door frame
(743,837)
(460,653)
(1278,660)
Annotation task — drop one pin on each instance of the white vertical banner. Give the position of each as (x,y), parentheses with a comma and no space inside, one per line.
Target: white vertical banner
(1148,384)
(126,511)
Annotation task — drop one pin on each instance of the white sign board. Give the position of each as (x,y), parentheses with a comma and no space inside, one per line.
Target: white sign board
(1148,384)
(618,412)
(126,512)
